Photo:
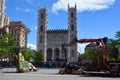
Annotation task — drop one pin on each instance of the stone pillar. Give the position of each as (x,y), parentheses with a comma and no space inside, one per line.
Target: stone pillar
(69,55)
(53,54)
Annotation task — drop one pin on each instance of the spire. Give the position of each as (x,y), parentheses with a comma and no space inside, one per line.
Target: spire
(75,6)
(68,6)
(38,4)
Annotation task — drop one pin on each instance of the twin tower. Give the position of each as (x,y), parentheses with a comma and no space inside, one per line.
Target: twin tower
(49,41)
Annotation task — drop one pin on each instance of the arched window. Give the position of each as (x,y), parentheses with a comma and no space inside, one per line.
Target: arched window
(49,54)
(41,15)
(41,39)
(72,27)
(56,54)
(41,28)
(72,14)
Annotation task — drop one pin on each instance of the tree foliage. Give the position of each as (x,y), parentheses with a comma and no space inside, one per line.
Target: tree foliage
(117,35)
(27,53)
(32,54)
(38,56)
(112,46)
(2,45)
(6,45)
(89,55)
(112,50)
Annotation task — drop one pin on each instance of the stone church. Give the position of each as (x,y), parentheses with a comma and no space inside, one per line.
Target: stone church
(49,41)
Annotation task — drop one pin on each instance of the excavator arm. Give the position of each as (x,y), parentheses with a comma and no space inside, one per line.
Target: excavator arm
(103,42)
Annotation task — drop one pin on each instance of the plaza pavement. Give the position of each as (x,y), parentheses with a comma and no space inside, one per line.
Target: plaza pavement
(46,74)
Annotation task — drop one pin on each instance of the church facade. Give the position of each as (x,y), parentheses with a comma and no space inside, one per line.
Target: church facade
(49,41)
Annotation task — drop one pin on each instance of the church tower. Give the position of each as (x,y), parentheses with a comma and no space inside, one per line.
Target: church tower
(42,31)
(72,33)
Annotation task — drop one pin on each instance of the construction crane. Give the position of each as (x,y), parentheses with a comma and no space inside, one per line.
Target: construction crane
(112,66)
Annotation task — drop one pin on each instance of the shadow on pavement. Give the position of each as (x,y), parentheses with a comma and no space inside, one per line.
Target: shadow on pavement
(10,72)
(105,75)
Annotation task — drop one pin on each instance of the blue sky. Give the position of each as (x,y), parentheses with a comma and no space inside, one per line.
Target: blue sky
(95,18)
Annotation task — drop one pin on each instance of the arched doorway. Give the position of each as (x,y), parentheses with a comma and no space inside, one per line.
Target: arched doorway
(56,54)
(49,54)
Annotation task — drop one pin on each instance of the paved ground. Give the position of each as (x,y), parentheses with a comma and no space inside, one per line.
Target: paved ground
(50,74)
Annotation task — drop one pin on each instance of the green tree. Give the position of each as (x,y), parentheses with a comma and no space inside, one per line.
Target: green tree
(6,45)
(89,55)
(27,53)
(38,56)
(32,54)
(112,46)
(117,35)
(10,45)
(2,46)
(112,50)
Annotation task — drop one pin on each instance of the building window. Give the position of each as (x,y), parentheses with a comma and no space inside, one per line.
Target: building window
(41,15)
(72,27)
(40,51)
(56,54)
(49,54)
(41,39)
(41,28)
(72,14)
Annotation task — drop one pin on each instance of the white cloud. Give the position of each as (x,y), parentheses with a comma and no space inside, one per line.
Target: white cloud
(82,5)
(31,46)
(81,47)
(25,9)
(32,27)
(35,27)
(28,10)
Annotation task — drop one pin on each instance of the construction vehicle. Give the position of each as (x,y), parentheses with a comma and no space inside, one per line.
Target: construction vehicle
(111,66)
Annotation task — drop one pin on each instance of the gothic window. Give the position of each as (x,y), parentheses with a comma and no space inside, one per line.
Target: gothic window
(41,28)
(72,27)
(41,39)
(49,54)
(72,14)
(56,54)
(72,21)
(41,15)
